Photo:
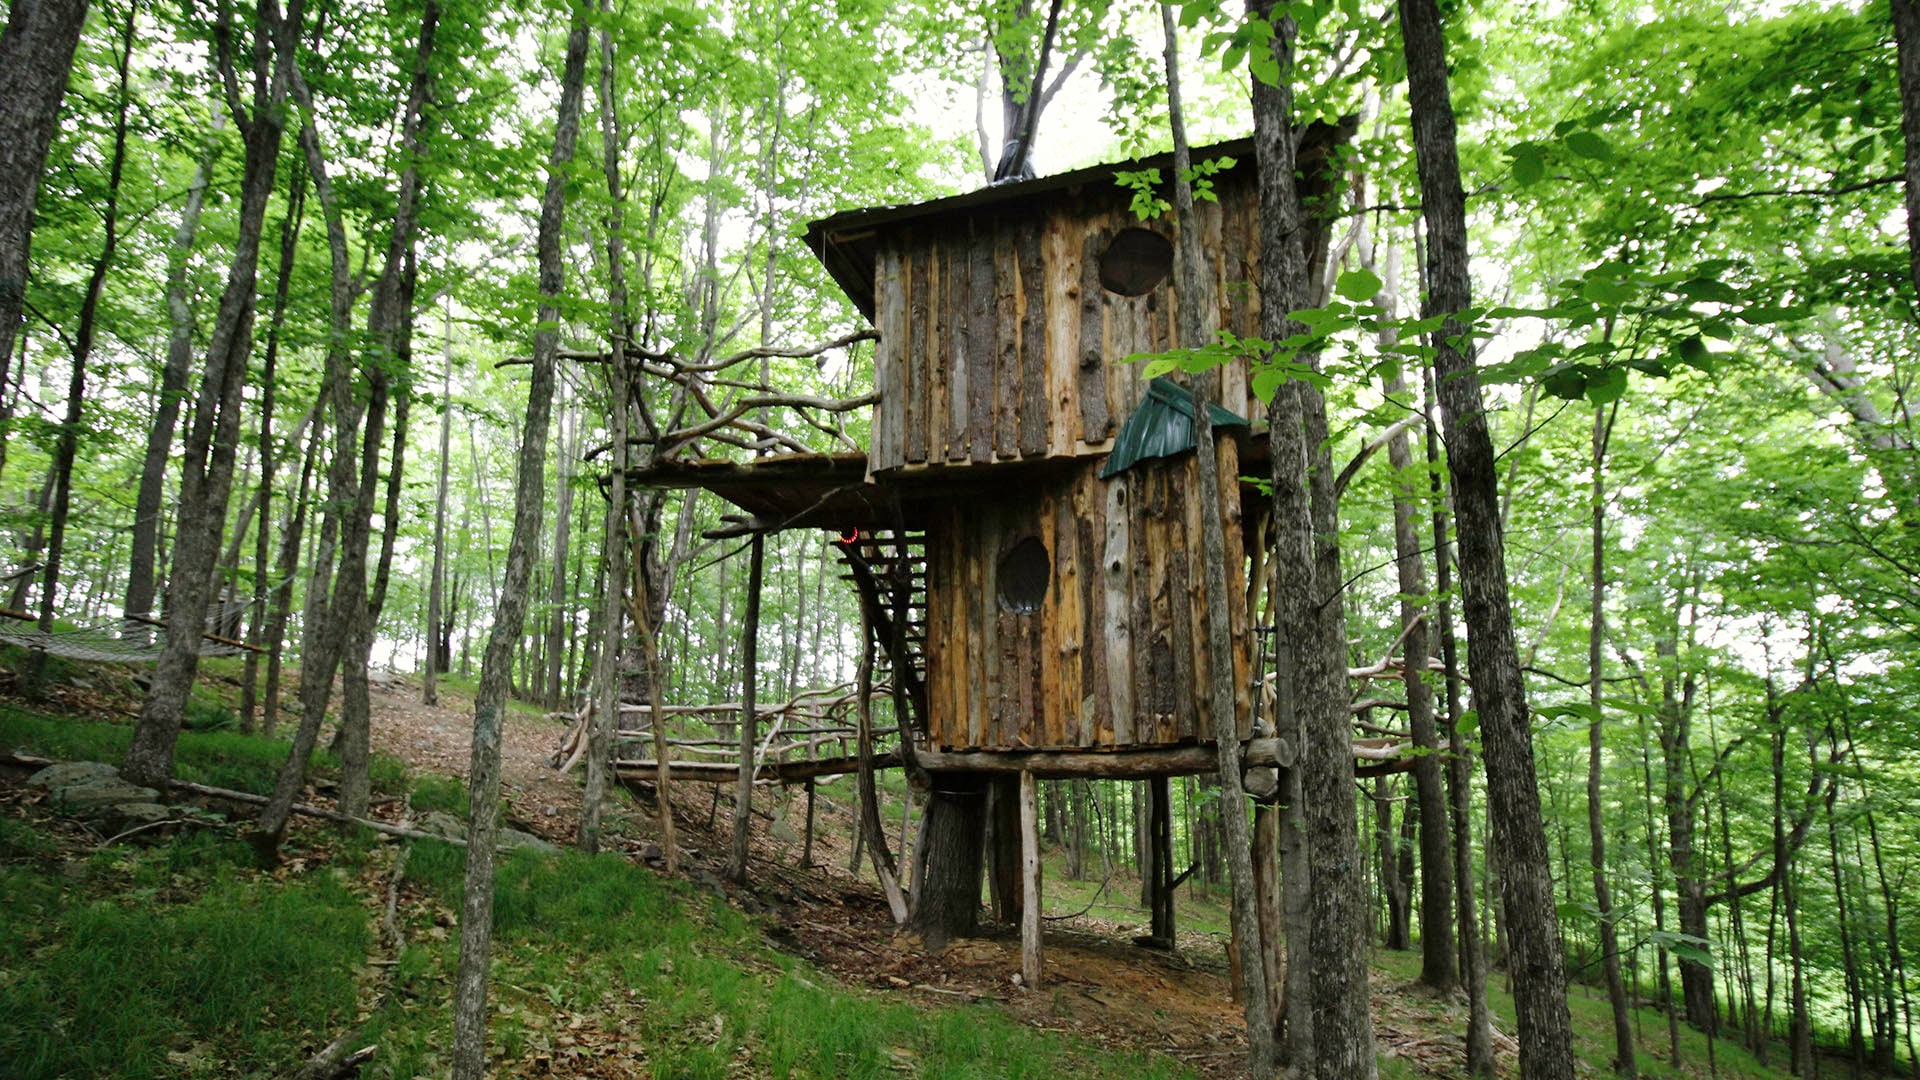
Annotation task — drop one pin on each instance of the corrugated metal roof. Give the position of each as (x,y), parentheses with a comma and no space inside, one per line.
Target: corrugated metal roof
(1161,427)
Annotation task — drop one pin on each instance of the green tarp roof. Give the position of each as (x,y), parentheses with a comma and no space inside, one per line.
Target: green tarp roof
(1161,427)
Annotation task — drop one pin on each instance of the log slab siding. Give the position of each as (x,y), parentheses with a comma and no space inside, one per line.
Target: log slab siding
(1113,658)
(999,343)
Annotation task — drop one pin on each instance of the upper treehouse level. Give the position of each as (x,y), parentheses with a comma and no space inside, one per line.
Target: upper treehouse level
(1006,314)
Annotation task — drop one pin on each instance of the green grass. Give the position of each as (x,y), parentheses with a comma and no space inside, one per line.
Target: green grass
(182,959)
(115,983)
(221,758)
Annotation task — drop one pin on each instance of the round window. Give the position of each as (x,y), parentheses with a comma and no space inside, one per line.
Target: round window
(1023,574)
(1135,261)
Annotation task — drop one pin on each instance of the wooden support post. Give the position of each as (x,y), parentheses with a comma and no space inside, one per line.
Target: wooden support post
(1029,882)
(1160,842)
(1266,878)
(749,727)
(1004,850)
(806,852)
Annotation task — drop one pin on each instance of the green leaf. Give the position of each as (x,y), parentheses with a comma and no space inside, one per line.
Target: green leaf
(1693,352)
(1568,383)
(1529,168)
(1609,291)
(1589,145)
(1359,285)
(1607,384)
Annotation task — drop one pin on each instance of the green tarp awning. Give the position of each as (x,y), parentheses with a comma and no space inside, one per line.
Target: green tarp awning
(1161,427)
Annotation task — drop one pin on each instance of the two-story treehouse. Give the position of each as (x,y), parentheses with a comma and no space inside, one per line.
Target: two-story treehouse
(1030,496)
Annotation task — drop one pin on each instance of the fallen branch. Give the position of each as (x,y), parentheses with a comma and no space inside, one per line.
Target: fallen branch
(313,811)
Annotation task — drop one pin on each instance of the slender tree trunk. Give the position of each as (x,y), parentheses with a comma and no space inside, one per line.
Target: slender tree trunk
(1195,294)
(285,567)
(1856,1037)
(483,770)
(605,709)
(749,716)
(1545,1027)
(1396,892)
(438,662)
(1623,1059)
(558,614)
(1658,890)
(346,638)
(172,391)
(872,835)
(36,57)
(207,471)
(1330,1029)
(289,246)
(68,443)
(1438,968)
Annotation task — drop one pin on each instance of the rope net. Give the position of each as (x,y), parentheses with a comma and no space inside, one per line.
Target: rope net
(127,642)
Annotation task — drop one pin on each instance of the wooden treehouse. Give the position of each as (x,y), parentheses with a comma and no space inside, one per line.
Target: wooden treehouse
(1024,527)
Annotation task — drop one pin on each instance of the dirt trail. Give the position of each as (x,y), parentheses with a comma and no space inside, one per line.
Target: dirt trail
(439,739)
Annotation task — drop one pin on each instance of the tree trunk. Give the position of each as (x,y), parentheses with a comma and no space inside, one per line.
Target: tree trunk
(286,565)
(36,57)
(1623,1054)
(1003,849)
(1438,966)
(1332,961)
(1158,866)
(558,615)
(207,469)
(946,879)
(749,715)
(1546,1051)
(68,443)
(289,246)
(345,636)
(605,708)
(483,770)
(1395,893)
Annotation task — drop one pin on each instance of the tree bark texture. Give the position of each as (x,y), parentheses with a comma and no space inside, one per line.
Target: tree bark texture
(946,879)
(1623,1060)
(1331,964)
(483,770)
(1520,841)
(212,440)
(1438,967)
(36,56)
(749,715)
(1195,298)
(67,445)
(604,722)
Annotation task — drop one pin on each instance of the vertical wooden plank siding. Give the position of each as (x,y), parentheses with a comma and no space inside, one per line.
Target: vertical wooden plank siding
(982,360)
(1090,372)
(954,313)
(1063,335)
(917,364)
(1117,610)
(1006,340)
(1031,406)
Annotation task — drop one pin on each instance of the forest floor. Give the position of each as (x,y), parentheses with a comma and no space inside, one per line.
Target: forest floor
(602,967)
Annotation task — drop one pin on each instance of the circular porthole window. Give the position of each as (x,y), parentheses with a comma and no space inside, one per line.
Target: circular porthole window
(1135,261)
(1023,575)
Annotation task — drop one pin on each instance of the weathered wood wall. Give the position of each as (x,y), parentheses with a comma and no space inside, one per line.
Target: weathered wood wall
(998,342)
(1116,656)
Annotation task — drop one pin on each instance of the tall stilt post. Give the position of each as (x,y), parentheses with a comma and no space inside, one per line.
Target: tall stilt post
(1029,881)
